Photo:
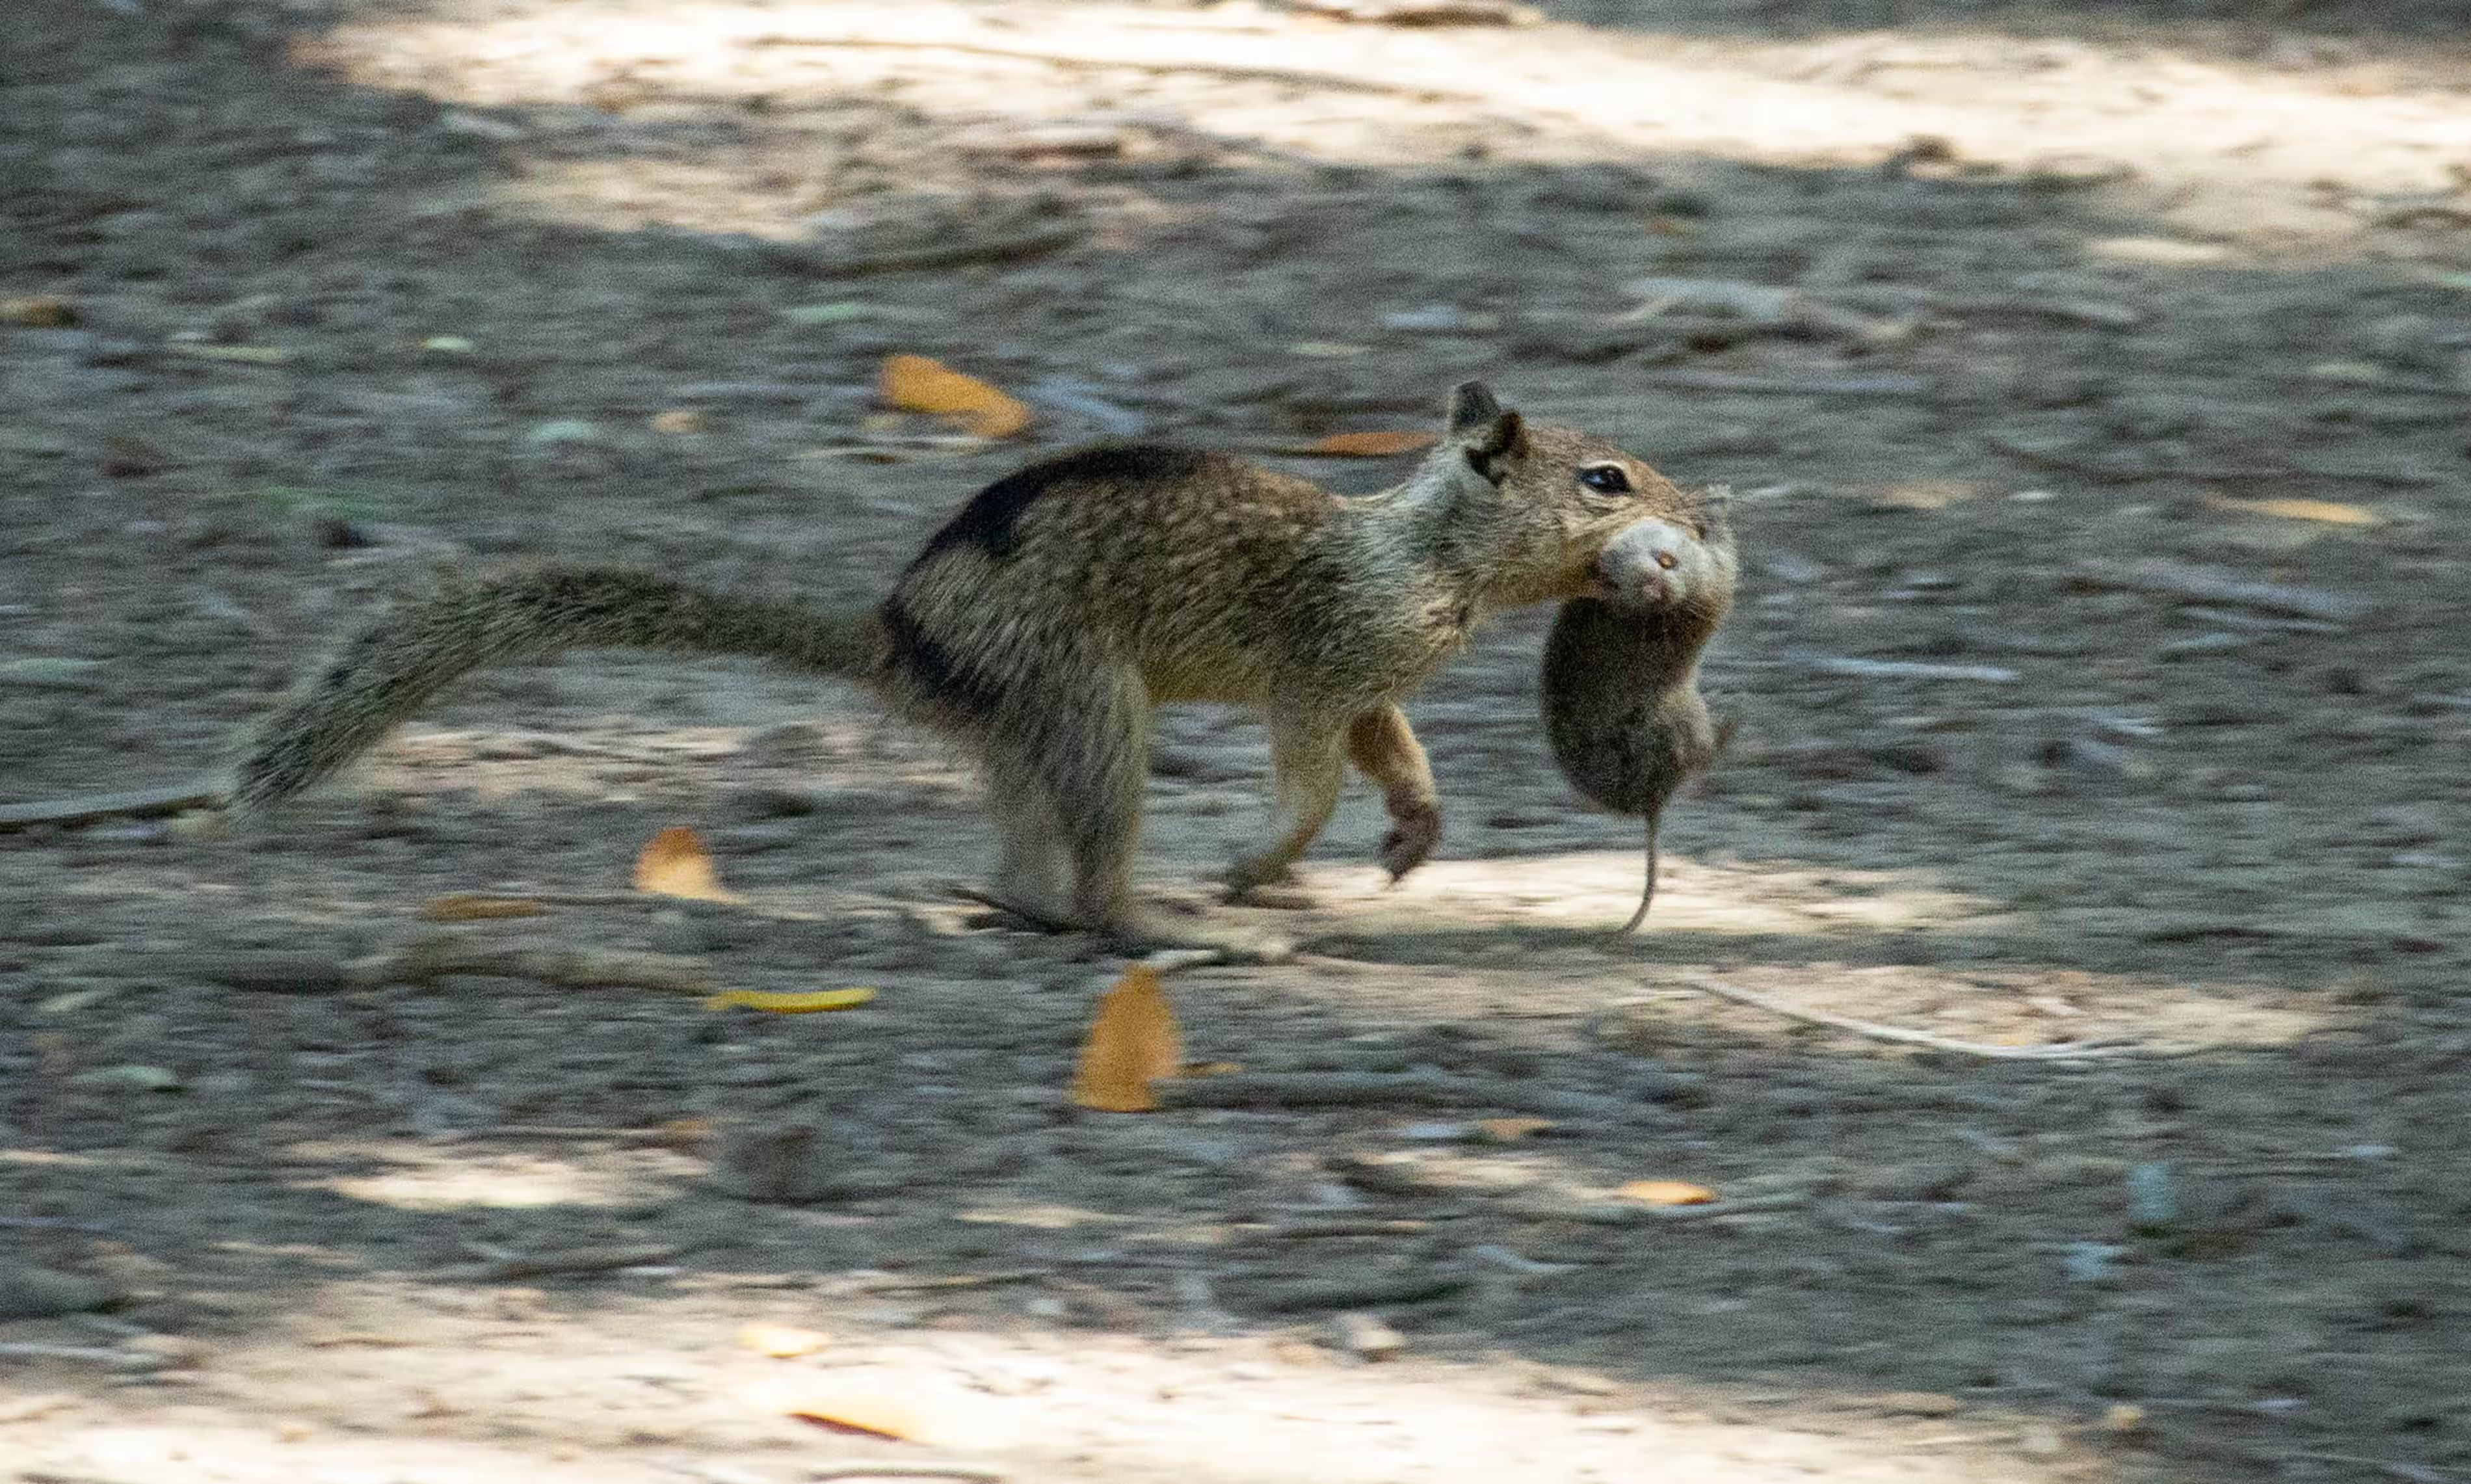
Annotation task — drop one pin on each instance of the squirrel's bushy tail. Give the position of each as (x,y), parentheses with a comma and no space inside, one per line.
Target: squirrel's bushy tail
(385,673)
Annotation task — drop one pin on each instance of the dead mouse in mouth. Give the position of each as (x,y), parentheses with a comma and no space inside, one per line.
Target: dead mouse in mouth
(1622,707)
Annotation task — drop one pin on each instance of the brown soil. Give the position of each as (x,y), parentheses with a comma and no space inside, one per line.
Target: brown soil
(358,285)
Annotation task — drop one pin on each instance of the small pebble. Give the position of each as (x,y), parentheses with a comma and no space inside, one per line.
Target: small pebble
(564,429)
(1367,1337)
(2091,1262)
(128,1079)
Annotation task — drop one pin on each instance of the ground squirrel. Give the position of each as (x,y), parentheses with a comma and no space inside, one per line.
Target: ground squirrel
(1044,622)
(1622,708)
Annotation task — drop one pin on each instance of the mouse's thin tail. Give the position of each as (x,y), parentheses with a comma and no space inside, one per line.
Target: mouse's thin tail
(1647,894)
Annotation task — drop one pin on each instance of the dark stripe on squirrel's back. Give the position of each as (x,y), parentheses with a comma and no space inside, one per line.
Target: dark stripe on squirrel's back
(927,663)
(988,520)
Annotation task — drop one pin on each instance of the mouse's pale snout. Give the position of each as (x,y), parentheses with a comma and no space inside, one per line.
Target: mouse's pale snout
(1644,564)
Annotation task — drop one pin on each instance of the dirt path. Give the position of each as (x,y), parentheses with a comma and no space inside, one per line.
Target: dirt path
(356,287)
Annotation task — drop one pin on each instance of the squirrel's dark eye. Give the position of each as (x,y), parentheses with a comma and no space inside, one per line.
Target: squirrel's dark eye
(1605,479)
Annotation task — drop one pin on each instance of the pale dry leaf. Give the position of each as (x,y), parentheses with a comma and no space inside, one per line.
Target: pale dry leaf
(782,1341)
(1510,1130)
(242,355)
(1666,1193)
(2328,512)
(874,1411)
(675,864)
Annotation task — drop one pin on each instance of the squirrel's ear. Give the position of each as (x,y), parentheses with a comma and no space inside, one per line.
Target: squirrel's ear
(1490,437)
(1472,406)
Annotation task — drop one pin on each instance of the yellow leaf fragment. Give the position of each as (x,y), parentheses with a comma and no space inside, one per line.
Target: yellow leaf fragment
(917,383)
(789,1002)
(1381,444)
(782,1341)
(1132,1041)
(2329,511)
(463,906)
(681,420)
(675,864)
(1666,1193)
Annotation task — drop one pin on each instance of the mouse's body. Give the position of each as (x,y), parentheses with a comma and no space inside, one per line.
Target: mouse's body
(1622,708)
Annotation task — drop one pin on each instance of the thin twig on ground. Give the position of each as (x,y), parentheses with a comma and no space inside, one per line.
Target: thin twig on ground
(2186,581)
(136,804)
(1898,1034)
(1360,1089)
(987,1474)
(1012,247)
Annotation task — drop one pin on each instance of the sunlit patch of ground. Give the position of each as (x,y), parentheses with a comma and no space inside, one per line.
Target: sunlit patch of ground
(411,1177)
(2239,150)
(1076,1408)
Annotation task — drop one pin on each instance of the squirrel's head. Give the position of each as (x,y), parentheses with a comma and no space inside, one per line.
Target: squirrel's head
(1545,512)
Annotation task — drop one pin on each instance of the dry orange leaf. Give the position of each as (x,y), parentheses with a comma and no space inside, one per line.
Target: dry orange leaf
(1371,445)
(2331,512)
(916,384)
(1510,1130)
(463,906)
(675,864)
(782,1341)
(1666,1193)
(1133,1041)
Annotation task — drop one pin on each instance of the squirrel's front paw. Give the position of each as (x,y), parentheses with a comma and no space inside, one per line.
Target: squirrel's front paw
(1253,881)
(1245,873)
(1413,832)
